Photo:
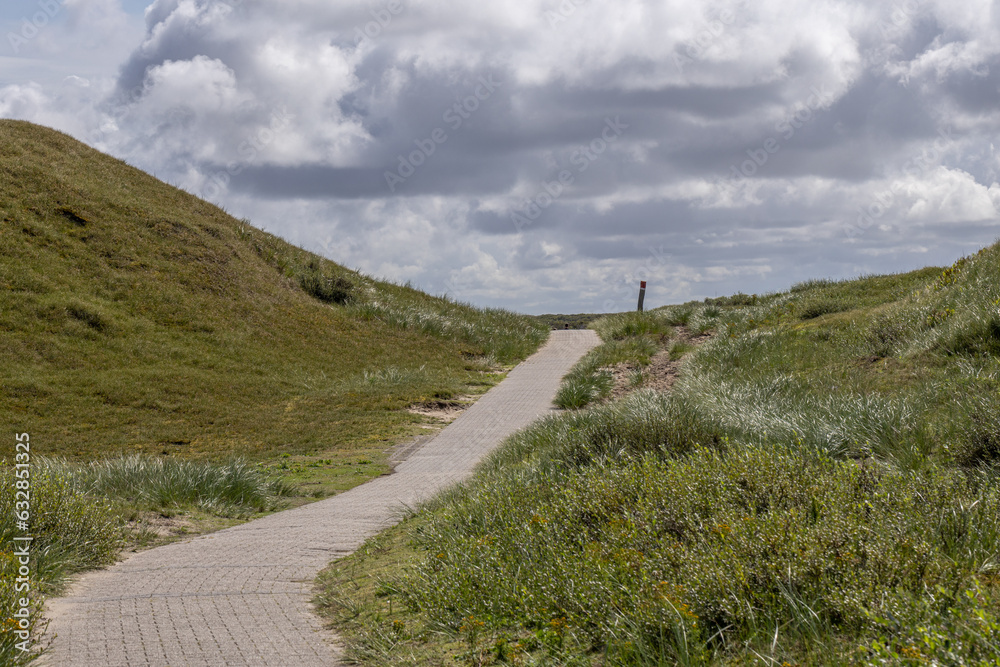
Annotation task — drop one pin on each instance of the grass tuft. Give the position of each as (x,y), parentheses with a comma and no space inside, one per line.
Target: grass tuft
(231,489)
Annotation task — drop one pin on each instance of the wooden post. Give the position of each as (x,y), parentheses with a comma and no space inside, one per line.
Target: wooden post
(642,293)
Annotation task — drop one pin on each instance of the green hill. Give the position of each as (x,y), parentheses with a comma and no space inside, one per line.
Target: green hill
(138,318)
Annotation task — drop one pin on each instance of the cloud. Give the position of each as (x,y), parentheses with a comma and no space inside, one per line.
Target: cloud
(545,154)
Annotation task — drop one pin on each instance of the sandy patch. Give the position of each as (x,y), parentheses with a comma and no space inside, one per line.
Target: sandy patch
(444,412)
(161,525)
(662,372)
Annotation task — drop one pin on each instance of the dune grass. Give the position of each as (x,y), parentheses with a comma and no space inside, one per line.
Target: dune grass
(71,531)
(236,488)
(589,380)
(627,338)
(821,486)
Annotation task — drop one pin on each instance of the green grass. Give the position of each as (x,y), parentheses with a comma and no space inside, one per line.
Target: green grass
(688,559)
(171,357)
(232,489)
(71,532)
(679,349)
(820,487)
(632,325)
(137,318)
(627,338)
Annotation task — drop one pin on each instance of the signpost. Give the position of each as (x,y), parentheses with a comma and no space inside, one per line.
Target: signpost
(642,293)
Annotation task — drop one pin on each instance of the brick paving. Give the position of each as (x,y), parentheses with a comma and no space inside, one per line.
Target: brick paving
(241,596)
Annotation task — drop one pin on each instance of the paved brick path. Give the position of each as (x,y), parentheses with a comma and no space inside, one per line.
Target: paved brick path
(241,596)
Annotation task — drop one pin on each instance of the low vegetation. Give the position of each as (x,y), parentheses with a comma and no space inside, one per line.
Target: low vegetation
(71,532)
(148,483)
(590,380)
(821,486)
(630,341)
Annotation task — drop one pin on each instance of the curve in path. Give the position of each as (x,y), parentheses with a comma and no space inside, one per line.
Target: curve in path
(241,596)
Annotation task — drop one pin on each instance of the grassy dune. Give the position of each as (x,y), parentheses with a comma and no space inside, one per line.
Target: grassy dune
(165,357)
(138,318)
(820,487)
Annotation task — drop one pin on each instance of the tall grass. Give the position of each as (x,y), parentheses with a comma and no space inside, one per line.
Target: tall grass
(71,532)
(628,338)
(237,488)
(631,325)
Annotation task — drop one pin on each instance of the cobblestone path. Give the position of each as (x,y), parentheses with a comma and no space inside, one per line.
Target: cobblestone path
(241,596)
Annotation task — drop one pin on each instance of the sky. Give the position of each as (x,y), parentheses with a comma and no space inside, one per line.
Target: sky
(546,155)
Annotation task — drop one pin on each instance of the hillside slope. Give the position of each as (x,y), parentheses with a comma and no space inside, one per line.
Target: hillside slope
(136,317)
(819,486)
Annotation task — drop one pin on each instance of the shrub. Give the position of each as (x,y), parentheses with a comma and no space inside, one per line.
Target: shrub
(816,308)
(937,627)
(327,289)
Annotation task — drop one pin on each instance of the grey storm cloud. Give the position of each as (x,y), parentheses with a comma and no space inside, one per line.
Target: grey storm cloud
(543,154)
